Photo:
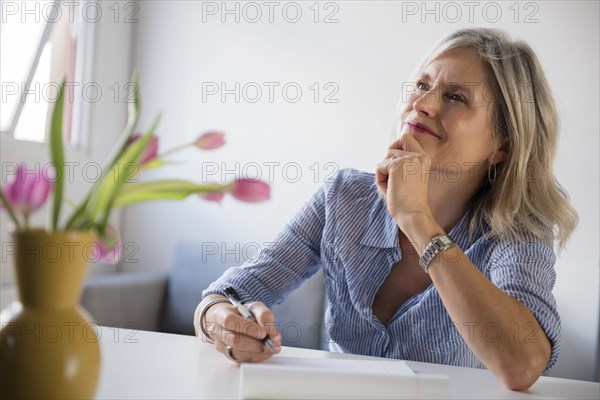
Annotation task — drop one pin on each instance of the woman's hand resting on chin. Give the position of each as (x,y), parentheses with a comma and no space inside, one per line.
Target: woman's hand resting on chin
(403,176)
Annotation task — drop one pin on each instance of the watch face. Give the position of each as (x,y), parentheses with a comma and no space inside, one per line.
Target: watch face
(445,240)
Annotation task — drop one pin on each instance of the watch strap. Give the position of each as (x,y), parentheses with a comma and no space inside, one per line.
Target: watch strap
(437,245)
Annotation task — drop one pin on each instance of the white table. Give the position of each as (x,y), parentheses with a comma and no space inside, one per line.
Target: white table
(147,365)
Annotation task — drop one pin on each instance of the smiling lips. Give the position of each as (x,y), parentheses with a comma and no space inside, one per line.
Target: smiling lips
(420,128)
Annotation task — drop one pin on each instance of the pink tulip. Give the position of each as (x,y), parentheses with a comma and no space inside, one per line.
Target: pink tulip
(150,152)
(251,190)
(29,189)
(214,196)
(210,140)
(109,246)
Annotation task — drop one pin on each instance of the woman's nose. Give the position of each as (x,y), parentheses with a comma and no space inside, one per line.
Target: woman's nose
(428,104)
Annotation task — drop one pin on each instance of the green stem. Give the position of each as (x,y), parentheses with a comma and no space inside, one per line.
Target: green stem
(9,209)
(70,203)
(78,212)
(176,149)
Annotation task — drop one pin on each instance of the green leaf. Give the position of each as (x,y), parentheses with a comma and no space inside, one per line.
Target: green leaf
(9,209)
(98,208)
(147,137)
(77,213)
(101,199)
(155,163)
(162,190)
(133,115)
(57,154)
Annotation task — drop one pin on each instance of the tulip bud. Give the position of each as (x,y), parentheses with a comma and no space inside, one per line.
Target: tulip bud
(109,246)
(251,190)
(150,152)
(29,190)
(210,140)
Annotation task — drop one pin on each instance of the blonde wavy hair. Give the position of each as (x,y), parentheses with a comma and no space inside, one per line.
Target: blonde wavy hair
(525,196)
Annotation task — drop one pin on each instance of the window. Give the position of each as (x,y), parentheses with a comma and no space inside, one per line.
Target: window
(42,43)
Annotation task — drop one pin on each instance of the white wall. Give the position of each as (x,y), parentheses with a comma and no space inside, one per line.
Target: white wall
(367,54)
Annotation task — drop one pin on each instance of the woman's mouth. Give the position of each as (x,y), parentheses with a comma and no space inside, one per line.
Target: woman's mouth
(420,128)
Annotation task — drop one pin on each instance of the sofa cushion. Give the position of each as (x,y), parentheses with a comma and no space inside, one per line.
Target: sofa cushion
(126,300)
(189,276)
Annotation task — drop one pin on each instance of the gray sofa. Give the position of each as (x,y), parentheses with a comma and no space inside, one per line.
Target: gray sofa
(165,302)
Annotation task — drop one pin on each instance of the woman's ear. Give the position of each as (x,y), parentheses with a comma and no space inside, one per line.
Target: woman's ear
(501,153)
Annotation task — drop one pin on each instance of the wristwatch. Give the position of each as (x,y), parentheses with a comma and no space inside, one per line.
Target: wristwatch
(436,246)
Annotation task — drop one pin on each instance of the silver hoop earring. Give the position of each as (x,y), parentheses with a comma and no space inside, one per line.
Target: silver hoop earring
(492,174)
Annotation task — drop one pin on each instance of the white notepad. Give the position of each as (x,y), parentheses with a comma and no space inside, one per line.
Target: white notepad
(309,378)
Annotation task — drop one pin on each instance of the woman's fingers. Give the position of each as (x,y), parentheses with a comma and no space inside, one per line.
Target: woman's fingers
(397,144)
(242,348)
(382,173)
(242,338)
(410,144)
(405,145)
(382,170)
(396,153)
(266,320)
(241,355)
(401,152)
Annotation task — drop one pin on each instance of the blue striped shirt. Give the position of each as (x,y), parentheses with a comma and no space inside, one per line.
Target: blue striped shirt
(346,230)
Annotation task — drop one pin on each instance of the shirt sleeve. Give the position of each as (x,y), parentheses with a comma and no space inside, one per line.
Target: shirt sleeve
(289,260)
(525,271)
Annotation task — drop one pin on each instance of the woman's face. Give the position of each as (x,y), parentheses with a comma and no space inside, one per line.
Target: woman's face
(449,115)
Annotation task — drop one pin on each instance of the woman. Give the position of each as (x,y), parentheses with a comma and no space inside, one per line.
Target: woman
(446,254)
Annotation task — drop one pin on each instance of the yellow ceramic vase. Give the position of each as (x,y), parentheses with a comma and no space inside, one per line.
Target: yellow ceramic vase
(49,347)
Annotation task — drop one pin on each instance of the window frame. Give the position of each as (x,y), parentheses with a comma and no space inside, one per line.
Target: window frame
(80,115)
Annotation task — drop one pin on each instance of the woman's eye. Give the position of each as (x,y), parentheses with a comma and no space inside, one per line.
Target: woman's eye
(421,85)
(456,97)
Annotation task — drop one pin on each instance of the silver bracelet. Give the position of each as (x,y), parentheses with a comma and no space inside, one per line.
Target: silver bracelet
(203,313)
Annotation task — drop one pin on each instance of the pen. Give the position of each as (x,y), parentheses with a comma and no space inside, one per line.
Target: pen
(233,297)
